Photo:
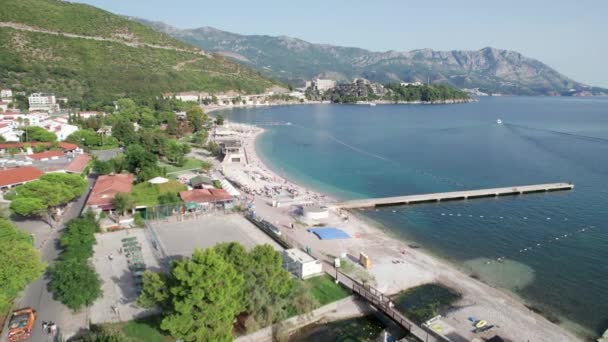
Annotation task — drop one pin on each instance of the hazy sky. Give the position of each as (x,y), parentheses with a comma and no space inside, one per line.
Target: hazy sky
(571,36)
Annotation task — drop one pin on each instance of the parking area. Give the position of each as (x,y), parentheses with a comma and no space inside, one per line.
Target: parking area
(120,258)
(179,239)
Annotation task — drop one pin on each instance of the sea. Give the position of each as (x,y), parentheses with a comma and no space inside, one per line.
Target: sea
(553,247)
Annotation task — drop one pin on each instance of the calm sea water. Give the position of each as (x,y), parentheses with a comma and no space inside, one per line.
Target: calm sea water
(555,245)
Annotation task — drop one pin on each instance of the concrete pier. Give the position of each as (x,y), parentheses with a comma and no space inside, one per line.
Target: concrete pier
(453,195)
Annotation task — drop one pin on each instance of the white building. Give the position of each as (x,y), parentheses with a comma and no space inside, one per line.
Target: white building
(89,114)
(188,96)
(61,130)
(43,102)
(301,264)
(6,94)
(405,84)
(32,119)
(323,85)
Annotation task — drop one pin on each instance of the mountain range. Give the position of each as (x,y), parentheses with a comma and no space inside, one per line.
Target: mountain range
(293,60)
(89,54)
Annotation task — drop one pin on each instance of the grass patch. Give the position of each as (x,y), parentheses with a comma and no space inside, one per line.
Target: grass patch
(424,302)
(190,163)
(325,290)
(147,194)
(145,330)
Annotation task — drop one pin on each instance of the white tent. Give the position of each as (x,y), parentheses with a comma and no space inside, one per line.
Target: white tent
(158,180)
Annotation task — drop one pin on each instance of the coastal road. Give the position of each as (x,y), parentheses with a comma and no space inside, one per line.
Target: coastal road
(38,297)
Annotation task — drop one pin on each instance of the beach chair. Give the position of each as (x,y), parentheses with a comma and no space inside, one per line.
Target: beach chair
(132,238)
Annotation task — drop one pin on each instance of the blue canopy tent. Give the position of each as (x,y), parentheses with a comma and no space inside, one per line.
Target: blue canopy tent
(329,233)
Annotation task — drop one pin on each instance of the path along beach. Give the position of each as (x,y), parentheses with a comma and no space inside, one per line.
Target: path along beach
(395,265)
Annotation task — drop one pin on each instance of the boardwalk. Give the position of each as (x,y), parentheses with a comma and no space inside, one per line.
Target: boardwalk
(384,305)
(453,195)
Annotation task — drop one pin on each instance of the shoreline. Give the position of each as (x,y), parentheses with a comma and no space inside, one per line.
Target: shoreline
(215,108)
(416,267)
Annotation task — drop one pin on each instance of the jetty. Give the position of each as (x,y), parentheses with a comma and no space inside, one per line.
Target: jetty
(453,195)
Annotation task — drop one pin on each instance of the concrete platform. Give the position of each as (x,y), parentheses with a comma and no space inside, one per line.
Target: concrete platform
(454,195)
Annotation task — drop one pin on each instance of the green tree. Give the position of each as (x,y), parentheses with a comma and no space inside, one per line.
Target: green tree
(169,198)
(124,131)
(219,120)
(205,298)
(155,291)
(19,262)
(13,150)
(176,152)
(152,140)
(27,206)
(127,108)
(169,119)
(74,283)
(46,194)
(103,167)
(122,202)
(268,285)
(213,148)
(86,137)
(199,138)
(74,183)
(138,158)
(196,118)
(35,133)
(78,238)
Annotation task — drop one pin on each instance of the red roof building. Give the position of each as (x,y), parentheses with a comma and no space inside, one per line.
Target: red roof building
(46,155)
(18,176)
(205,196)
(67,147)
(78,164)
(107,187)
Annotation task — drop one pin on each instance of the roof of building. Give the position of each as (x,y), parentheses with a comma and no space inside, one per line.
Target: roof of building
(298,255)
(205,195)
(78,164)
(108,186)
(19,175)
(64,145)
(158,180)
(46,155)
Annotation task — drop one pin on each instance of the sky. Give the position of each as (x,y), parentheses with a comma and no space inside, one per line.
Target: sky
(570,36)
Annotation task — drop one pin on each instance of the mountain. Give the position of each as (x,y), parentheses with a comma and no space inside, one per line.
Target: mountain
(90,54)
(294,60)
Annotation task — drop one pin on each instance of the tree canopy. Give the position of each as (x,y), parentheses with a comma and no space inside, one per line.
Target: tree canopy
(205,298)
(43,195)
(228,281)
(123,202)
(74,282)
(19,262)
(35,133)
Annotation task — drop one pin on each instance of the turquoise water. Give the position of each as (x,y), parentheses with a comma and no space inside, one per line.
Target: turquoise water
(555,245)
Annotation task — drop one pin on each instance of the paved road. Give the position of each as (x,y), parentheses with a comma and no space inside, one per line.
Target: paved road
(37,296)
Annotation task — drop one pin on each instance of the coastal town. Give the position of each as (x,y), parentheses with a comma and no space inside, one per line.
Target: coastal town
(165,179)
(222,192)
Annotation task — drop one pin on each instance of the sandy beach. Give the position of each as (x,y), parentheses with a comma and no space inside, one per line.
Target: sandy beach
(396,266)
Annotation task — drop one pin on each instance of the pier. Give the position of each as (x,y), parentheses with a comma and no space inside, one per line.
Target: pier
(453,195)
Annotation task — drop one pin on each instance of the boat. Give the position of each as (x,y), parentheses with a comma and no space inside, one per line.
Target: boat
(498,121)
(372,104)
